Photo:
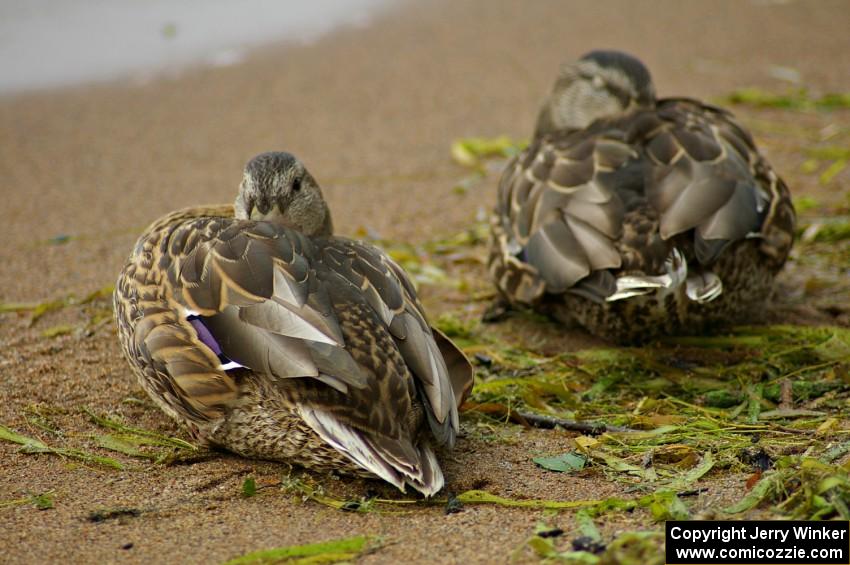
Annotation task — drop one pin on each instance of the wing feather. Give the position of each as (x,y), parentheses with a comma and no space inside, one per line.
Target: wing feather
(334,323)
(566,204)
(389,292)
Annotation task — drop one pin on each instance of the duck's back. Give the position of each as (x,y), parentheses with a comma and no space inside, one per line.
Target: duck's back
(673,204)
(276,345)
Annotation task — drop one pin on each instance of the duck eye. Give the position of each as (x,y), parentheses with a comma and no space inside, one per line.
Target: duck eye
(296,185)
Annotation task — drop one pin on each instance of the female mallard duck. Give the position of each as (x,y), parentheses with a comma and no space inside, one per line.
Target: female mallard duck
(267,335)
(634,216)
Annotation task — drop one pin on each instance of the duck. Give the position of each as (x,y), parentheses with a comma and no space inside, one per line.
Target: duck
(635,217)
(264,334)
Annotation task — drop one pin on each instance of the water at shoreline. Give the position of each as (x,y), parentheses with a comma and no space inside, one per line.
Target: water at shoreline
(49,43)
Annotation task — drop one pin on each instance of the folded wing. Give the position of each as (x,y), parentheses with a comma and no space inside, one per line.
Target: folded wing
(335,323)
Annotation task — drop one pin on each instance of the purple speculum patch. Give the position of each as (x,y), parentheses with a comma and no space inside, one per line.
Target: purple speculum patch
(204,334)
(208,339)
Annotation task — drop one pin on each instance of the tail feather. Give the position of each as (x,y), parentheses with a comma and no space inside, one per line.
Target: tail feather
(398,462)
(676,268)
(703,287)
(432,476)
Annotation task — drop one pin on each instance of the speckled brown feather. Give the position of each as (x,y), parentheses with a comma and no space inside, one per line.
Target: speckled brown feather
(160,344)
(580,208)
(329,330)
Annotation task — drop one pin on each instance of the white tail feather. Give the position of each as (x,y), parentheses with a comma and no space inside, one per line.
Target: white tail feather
(424,475)
(703,287)
(676,268)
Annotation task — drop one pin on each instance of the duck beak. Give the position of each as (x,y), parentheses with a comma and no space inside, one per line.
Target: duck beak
(273,215)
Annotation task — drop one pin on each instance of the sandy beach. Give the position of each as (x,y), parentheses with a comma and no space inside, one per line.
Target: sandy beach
(372,111)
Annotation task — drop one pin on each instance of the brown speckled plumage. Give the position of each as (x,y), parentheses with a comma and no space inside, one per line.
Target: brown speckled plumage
(327,360)
(658,217)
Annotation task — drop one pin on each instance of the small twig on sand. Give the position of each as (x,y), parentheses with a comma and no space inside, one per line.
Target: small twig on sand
(549,422)
(531,420)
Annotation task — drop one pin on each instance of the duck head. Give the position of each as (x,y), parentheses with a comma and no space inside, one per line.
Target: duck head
(276,187)
(602,84)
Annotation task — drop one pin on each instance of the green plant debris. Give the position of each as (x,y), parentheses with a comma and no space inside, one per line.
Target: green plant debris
(663,504)
(471,151)
(543,548)
(33,445)
(104,292)
(836,159)
(43,501)
(790,414)
(705,465)
(589,546)
(755,393)
(829,153)
(42,418)
(803,488)
(154,438)
(629,548)
(800,99)
(696,404)
(317,494)
(346,549)
(56,331)
(832,171)
(586,525)
(43,308)
(430,261)
(635,548)
(249,487)
(114,443)
(11,307)
(455,327)
(769,484)
(38,309)
(417,264)
(827,232)
(808,166)
(805,203)
(139,443)
(693,404)
(484,497)
(433,262)
(564,463)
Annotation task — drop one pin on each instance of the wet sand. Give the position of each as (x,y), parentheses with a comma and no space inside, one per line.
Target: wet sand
(372,112)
